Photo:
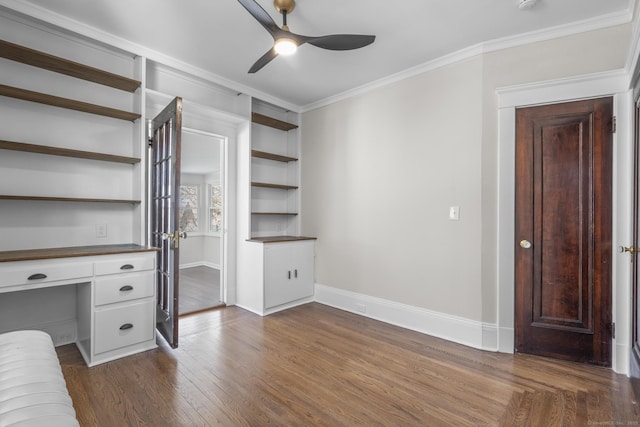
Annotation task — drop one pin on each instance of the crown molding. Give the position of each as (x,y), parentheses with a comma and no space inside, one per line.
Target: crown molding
(578,27)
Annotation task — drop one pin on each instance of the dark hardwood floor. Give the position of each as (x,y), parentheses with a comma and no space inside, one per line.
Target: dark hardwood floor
(199,289)
(317,366)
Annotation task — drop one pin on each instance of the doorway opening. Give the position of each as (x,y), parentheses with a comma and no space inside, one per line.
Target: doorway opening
(201,217)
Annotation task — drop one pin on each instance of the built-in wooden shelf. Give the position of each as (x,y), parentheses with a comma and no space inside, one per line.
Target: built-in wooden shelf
(66,199)
(70,104)
(59,65)
(278,239)
(74,251)
(65,152)
(275,213)
(270,185)
(271,156)
(271,122)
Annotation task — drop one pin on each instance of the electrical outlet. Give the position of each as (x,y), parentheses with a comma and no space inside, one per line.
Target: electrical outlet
(101,230)
(361,308)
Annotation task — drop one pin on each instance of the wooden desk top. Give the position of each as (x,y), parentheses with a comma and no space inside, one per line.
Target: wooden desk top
(74,251)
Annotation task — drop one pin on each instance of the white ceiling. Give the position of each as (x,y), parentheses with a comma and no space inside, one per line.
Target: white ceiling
(200,153)
(220,37)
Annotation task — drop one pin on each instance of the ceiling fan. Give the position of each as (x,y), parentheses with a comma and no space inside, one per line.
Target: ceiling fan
(286,42)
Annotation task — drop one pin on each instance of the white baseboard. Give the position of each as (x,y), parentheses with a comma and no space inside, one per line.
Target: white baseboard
(621,359)
(452,328)
(200,264)
(278,308)
(506,340)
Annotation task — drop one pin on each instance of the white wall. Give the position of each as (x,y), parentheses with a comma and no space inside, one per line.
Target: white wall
(381,169)
(379,172)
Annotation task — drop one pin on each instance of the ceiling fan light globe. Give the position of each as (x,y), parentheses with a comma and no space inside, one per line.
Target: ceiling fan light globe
(285,46)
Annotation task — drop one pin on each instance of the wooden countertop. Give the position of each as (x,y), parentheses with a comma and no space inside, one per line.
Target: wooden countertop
(278,239)
(74,251)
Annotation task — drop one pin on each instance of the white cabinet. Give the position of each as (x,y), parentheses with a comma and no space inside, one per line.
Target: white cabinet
(275,263)
(116,312)
(102,299)
(279,275)
(288,272)
(123,326)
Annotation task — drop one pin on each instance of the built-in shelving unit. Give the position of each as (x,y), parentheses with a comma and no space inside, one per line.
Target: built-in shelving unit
(61,181)
(72,196)
(275,176)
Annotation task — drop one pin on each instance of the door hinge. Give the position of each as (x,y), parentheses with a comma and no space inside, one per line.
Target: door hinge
(614,124)
(612,326)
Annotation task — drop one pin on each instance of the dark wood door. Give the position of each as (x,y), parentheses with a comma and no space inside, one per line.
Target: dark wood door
(165,232)
(563,230)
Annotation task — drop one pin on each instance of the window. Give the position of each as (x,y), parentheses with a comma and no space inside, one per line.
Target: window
(215,208)
(189,201)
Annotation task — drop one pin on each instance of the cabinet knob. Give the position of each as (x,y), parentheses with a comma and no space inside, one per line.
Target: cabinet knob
(126,288)
(37,276)
(127,267)
(126,326)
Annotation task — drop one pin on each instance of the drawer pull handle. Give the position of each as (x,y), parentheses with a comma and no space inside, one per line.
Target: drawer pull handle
(127,267)
(37,276)
(126,326)
(126,288)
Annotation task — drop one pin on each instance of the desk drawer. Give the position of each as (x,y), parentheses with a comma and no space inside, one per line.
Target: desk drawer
(123,326)
(38,272)
(125,265)
(123,287)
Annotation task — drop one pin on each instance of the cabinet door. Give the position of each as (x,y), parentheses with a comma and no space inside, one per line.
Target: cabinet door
(288,272)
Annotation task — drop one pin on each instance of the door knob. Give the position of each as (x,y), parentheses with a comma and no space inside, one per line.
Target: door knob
(630,249)
(175,237)
(525,244)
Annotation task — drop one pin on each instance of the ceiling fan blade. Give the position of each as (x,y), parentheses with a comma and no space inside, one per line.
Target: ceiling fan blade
(261,16)
(341,41)
(264,60)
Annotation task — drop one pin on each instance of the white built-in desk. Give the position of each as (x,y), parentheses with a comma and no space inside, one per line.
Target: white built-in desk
(100,297)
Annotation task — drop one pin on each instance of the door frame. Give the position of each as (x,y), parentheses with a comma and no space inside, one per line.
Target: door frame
(598,85)
(224,163)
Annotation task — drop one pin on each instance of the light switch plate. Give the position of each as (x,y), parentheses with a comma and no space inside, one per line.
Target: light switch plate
(454,213)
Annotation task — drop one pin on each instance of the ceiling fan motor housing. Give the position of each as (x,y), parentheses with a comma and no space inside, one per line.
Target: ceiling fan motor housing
(284,5)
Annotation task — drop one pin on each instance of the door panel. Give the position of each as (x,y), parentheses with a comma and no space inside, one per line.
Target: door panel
(563,230)
(165,184)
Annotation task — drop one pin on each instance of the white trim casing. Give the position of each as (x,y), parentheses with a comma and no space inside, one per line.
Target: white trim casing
(582,87)
(452,328)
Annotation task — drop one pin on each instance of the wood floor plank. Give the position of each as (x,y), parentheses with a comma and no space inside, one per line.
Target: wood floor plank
(318,366)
